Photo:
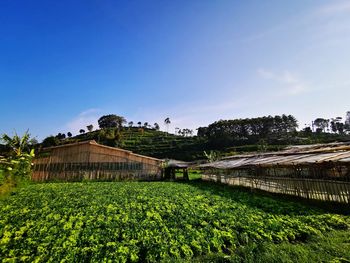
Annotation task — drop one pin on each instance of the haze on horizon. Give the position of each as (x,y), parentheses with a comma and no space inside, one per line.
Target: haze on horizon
(66,63)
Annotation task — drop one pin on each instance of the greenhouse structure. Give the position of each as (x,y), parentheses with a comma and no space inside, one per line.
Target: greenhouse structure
(314,172)
(89,160)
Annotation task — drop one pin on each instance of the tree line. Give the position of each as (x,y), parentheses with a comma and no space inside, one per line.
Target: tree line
(334,125)
(248,130)
(273,130)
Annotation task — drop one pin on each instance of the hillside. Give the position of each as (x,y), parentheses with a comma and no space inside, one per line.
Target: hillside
(148,142)
(163,145)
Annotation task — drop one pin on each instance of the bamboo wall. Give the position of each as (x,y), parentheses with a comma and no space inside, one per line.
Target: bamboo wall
(91,161)
(312,182)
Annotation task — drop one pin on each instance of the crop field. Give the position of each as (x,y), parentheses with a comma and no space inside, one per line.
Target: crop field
(164,221)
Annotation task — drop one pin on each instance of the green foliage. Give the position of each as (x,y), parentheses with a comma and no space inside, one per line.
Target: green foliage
(111,121)
(248,131)
(212,156)
(17,166)
(90,127)
(17,144)
(150,222)
(149,142)
(226,137)
(50,141)
(330,247)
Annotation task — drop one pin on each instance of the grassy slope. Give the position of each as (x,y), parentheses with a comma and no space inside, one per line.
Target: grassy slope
(154,143)
(209,209)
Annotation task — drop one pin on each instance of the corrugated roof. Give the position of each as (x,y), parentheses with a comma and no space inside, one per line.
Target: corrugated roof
(294,156)
(176,163)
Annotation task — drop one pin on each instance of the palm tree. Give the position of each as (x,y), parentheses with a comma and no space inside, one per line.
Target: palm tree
(90,127)
(167,123)
(139,123)
(82,131)
(131,123)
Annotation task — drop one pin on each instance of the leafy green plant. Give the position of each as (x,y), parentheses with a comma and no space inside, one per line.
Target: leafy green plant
(149,222)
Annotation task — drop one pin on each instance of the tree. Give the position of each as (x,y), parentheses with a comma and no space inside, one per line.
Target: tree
(50,141)
(90,127)
(110,136)
(81,131)
(186,132)
(307,130)
(225,133)
(347,128)
(145,125)
(347,122)
(111,121)
(131,123)
(61,136)
(340,127)
(347,118)
(167,123)
(321,124)
(337,126)
(139,123)
(202,131)
(156,126)
(69,134)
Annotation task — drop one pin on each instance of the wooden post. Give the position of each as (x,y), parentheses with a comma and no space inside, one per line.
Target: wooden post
(172,173)
(185,173)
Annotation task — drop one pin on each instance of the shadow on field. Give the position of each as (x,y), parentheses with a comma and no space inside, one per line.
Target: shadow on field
(269,202)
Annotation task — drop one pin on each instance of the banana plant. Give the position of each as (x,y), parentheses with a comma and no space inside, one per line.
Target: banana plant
(18,164)
(17,143)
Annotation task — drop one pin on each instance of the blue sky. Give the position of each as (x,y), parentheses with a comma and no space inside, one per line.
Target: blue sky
(63,64)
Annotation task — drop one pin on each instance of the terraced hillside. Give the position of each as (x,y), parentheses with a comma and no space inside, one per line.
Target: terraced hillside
(151,143)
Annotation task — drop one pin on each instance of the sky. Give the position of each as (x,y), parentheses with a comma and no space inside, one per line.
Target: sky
(64,64)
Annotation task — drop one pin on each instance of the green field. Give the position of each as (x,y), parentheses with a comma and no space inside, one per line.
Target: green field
(164,221)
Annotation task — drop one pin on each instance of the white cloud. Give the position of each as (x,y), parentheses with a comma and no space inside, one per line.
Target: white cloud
(334,8)
(85,118)
(290,83)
